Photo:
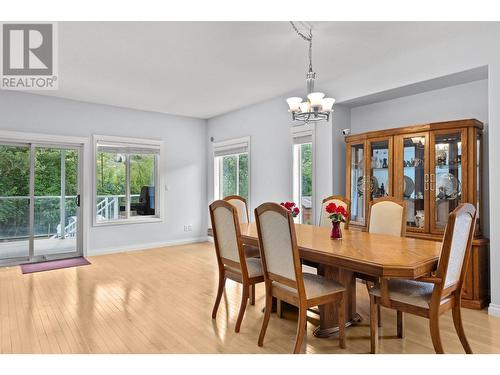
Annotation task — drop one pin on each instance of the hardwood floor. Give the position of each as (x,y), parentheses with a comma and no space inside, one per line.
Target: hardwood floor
(160,301)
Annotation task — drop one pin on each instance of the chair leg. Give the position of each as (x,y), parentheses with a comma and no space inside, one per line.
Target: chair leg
(243,306)
(279,308)
(301,330)
(435,334)
(401,333)
(267,315)
(341,319)
(373,325)
(370,285)
(222,282)
(252,294)
(457,320)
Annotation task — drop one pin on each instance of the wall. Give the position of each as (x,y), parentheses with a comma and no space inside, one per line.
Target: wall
(468,100)
(436,59)
(268,125)
(183,162)
(341,121)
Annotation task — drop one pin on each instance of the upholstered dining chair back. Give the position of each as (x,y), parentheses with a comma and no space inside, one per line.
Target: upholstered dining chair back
(278,245)
(457,243)
(387,216)
(226,229)
(240,204)
(324,220)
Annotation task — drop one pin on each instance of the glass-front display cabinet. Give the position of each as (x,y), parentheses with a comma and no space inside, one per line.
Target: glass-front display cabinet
(433,168)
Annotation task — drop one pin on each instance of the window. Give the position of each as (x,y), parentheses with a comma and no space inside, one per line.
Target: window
(126,180)
(303,185)
(231,168)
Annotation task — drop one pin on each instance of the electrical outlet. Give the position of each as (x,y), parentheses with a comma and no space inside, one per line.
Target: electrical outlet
(190,228)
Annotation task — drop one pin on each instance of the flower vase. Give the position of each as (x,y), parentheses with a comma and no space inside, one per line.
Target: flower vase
(336,233)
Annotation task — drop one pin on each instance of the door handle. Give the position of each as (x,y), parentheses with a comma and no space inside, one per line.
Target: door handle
(77,199)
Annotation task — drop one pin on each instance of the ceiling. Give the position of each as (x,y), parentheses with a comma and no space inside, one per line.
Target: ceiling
(203,69)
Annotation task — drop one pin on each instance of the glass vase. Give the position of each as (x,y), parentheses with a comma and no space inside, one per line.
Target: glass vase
(336,233)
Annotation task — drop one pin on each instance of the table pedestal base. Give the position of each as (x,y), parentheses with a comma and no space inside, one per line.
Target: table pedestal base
(326,333)
(328,314)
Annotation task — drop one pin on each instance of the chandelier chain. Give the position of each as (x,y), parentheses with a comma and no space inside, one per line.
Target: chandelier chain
(307,38)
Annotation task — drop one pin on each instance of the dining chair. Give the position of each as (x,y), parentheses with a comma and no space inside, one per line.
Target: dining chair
(324,220)
(386,215)
(231,259)
(241,206)
(431,296)
(283,274)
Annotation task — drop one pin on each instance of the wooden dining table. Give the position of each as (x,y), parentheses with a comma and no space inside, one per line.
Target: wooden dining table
(358,252)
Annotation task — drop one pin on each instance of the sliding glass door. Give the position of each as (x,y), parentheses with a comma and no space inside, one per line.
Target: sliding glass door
(39,202)
(14,202)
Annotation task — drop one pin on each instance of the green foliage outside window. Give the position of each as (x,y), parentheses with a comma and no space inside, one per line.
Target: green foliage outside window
(306,158)
(230,177)
(14,182)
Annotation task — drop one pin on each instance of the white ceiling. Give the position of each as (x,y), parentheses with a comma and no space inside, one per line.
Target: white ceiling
(203,69)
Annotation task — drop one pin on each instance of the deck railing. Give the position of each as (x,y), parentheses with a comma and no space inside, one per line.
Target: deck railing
(14,215)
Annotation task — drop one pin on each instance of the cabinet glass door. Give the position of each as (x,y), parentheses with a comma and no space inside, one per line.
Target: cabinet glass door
(357,183)
(447,175)
(379,184)
(415,181)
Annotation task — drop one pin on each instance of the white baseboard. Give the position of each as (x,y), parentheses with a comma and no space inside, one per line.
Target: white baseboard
(494,310)
(145,246)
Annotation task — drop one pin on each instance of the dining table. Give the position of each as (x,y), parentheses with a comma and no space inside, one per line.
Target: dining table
(356,253)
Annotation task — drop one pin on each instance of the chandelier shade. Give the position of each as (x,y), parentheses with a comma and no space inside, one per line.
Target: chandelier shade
(316,107)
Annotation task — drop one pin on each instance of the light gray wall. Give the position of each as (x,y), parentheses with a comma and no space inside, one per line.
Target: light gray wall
(468,100)
(183,164)
(341,121)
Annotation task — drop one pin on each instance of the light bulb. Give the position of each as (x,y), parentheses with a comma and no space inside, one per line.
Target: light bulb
(294,103)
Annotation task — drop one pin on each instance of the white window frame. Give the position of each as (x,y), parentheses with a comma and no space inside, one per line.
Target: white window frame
(229,144)
(159,178)
(306,130)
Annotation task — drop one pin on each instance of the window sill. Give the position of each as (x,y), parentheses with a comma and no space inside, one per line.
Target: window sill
(128,221)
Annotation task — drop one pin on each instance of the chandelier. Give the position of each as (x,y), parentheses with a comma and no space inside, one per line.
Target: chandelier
(316,107)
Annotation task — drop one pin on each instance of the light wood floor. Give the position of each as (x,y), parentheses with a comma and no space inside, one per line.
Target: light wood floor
(160,301)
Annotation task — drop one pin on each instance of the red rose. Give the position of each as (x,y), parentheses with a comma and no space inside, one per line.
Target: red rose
(331,207)
(296,210)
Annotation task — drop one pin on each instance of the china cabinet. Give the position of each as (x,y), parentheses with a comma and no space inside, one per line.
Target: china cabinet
(433,167)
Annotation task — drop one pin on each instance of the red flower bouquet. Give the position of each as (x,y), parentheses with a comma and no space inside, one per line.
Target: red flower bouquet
(337,214)
(290,206)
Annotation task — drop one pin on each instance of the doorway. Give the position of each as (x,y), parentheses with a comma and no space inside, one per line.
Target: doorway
(40,210)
